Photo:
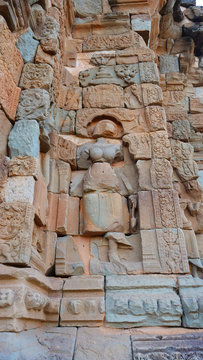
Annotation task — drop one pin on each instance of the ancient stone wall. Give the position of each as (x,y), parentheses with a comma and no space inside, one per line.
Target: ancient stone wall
(101,165)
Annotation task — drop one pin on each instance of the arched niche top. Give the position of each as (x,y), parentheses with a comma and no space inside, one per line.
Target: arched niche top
(105,126)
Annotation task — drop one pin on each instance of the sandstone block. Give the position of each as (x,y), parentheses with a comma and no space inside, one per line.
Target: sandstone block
(52,211)
(50,46)
(161,174)
(152,94)
(120,121)
(191,295)
(196,121)
(103,96)
(16,240)
(87,8)
(196,105)
(19,188)
(112,42)
(43,57)
(142,25)
(134,54)
(181,130)
(164,251)
(36,76)
(191,244)
(27,46)
(95,342)
(47,342)
(168,63)
(24,166)
(104,212)
(169,346)
(182,160)
(139,145)
(139,306)
(83,301)
(24,139)
(9,53)
(148,72)
(4,162)
(133,97)
(156,118)
(68,215)
(5,126)
(76,183)
(48,28)
(29,299)
(70,98)
(116,254)
(160,145)
(100,177)
(66,150)
(60,175)
(64,121)
(68,261)
(40,200)
(122,75)
(43,250)
(159,208)
(9,92)
(33,105)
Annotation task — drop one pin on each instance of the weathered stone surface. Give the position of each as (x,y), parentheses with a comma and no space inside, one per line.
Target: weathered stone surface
(24,139)
(9,53)
(182,160)
(116,254)
(70,98)
(27,46)
(43,57)
(50,46)
(36,76)
(129,121)
(160,145)
(191,244)
(100,177)
(148,72)
(4,162)
(46,343)
(47,29)
(64,121)
(76,184)
(24,166)
(9,92)
(133,97)
(138,305)
(181,130)
(180,346)
(112,42)
(68,261)
(139,145)
(122,75)
(68,215)
(152,94)
(164,251)
(156,118)
(159,208)
(15,244)
(60,175)
(33,299)
(134,54)
(168,63)
(101,151)
(5,126)
(81,306)
(19,188)
(87,8)
(96,220)
(33,105)
(161,174)
(95,342)
(52,211)
(191,295)
(103,96)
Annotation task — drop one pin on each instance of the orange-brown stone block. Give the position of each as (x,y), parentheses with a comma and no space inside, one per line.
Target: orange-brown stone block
(9,92)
